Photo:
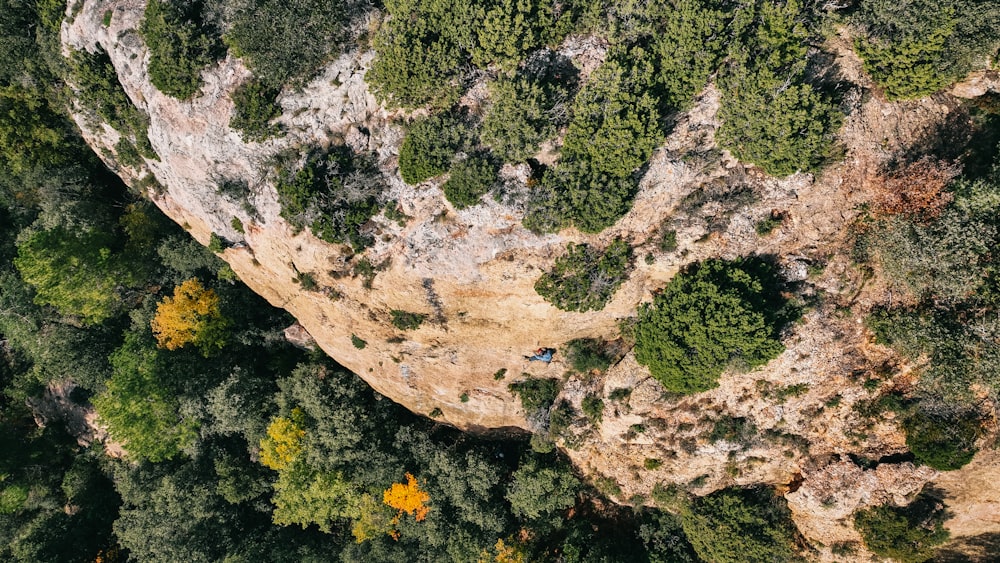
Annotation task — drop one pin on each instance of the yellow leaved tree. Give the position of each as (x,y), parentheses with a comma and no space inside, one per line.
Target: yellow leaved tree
(284,441)
(191,316)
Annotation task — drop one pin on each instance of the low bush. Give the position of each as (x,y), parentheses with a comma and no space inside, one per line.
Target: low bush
(771,116)
(180,46)
(593,408)
(942,443)
(585,279)
(908,534)
(523,112)
(615,117)
(740,526)
(255,108)
(535,393)
(469,181)
(286,42)
(429,147)
(507,30)
(333,193)
(405,320)
(913,49)
(712,316)
(420,52)
(588,354)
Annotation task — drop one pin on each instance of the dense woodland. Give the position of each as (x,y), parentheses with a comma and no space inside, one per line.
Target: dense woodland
(242,447)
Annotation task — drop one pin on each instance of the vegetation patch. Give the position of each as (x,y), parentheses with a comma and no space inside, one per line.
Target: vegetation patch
(528,108)
(334,194)
(180,46)
(430,146)
(585,278)
(469,181)
(711,316)
(405,320)
(740,526)
(908,533)
(914,49)
(536,394)
(256,106)
(100,92)
(588,354)
(287,42)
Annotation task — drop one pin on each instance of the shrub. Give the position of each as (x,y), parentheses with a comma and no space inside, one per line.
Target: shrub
(100,92)
(587,354)
(943,260)
(907,534)
(668,241)
(593,408)
(521,115)
(711,316)
(615,117)
(419,52)
(767,225)
(770,116)
(357,342)
(127,154)
(613,130)
(689,46)
(285,42)
(509,29)
(180,46)
(740,526)
(429,147)
(782,131)
(404,320)
(469,181)
(574,195)
(943,443)
(585,279)
(918,190)
(333,193)
(255,107)
(535,393)
(912,49)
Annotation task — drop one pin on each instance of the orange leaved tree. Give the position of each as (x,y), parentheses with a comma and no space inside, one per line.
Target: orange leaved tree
(191,316)
(407,498)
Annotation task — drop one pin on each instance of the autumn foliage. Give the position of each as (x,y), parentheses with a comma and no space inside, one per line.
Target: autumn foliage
(917,189)
(283,443)
(407,498)
(191,316)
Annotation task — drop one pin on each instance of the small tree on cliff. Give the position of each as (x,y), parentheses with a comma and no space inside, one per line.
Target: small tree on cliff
(709,317)
(191,316)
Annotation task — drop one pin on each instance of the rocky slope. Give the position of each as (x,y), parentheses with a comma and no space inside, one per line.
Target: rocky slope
(473,271)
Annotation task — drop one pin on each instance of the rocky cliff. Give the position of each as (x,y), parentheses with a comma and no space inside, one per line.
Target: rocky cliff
(472,272)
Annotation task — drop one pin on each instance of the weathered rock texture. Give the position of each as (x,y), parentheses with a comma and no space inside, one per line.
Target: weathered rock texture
(473,271)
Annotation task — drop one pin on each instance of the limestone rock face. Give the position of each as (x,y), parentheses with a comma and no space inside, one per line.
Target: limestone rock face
(472,272)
